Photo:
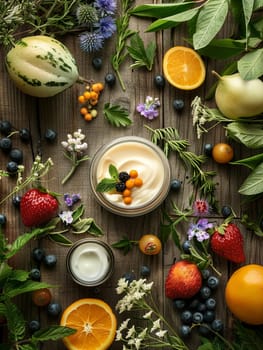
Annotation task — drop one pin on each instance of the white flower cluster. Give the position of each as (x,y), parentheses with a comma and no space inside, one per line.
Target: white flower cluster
(137,292)
(74,142)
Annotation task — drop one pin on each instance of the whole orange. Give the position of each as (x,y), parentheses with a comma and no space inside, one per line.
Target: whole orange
(244,294)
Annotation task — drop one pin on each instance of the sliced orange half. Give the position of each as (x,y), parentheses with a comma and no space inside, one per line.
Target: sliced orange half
(95,324)
(183,68)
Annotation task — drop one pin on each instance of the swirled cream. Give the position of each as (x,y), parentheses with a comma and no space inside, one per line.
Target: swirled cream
(89,262)
(130,155)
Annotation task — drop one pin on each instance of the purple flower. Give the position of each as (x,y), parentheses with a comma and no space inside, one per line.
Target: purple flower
(201,207)
(66,217)
(199,230)
(106,6)
(70,200)
(90,42)
(107,26)
(149,109)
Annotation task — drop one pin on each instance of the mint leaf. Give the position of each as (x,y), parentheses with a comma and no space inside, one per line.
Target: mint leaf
(143,56)
(15,321)
(106,185)
(124,244)
(116,115)
(113,172)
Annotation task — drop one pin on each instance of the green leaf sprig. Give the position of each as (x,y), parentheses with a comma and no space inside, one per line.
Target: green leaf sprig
(108,184)
(122,34)
(143,56)
(116,115)
(169,139)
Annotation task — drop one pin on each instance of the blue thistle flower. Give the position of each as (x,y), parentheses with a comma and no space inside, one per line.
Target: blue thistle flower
(107,26)
(90,42)
(106,6)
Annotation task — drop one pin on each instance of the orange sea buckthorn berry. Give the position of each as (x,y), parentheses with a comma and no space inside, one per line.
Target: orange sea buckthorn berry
(83,110)
(81,99)
(138,182)
(97,87)
(88,117)
(94,102)
(87,95)
(129,183)
(126,193)
(133,173)
(127,200)
(94,95)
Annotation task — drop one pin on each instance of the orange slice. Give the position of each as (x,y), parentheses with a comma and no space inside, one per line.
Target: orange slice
(95,324)
(183,68)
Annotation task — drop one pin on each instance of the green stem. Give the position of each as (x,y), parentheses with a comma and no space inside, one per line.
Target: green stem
(71,172)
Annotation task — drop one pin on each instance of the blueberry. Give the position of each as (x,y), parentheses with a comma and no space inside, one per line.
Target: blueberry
(6,144)
(159,81)
(213,282)
(54,309)
(193,304)
(179,304)
(16,200)
(186,246)
(175,185)
(178,105)
(198,317)
(209,316)
(120,186)
(129,276)
(145,271)
(16,155)
(226,211)
(208,147)
(123,176)
(50,260)
(50,135)
(205,273)
(204,329)
(25,135)
(205,292)
(2,219)
(210,303)
(185,330)
(201,307)
(35,274)
(96,63)
(12,167)
(38,254)
(110,79)
(187,317)
(217,325)
(5,127)
(33,326)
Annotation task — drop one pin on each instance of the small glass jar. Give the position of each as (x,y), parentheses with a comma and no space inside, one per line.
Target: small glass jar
(132,153)
(90,262)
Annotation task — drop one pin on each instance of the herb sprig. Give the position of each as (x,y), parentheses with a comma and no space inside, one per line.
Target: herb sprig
(116,115)
(122,34)
(169,139)
(108,183)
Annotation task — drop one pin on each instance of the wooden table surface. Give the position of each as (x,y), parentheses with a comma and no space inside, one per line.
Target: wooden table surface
(61,113)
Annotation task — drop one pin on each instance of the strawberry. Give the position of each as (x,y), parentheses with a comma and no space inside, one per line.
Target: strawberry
(227,241)
(184,280)
(37,207)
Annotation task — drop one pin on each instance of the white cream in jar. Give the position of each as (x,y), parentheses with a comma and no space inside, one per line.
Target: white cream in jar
(90,262)
(128,156)
(132,153)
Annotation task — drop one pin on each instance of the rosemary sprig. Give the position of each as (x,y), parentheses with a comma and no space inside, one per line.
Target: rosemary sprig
(169,140)
(122,34)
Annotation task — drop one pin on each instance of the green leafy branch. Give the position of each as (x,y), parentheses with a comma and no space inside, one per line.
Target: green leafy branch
(169,140)
(122,34)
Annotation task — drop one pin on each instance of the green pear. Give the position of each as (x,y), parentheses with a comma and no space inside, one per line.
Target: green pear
(236,97)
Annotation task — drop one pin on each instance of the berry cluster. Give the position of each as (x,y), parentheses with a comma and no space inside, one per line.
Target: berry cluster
(201,309)
(89,100)
(127,181)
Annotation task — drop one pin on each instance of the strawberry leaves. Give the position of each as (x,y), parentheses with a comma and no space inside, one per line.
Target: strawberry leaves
(116,115)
